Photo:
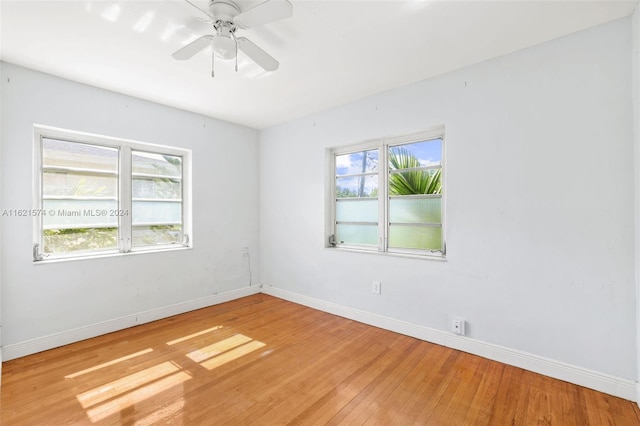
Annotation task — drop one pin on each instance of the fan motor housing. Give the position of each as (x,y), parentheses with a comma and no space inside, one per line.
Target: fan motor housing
(223,10)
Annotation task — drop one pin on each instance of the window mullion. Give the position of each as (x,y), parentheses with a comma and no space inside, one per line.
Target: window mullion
(383,197)
(124,203)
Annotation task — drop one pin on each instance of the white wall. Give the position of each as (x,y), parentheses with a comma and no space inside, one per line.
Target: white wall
(540,202)
(635,53)
(1,238)
(46,299)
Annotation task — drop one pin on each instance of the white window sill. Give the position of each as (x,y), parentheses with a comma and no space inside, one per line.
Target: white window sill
(433,257)
(107,255)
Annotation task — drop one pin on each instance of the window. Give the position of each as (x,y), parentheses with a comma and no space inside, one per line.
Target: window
(98,195)
(387,195)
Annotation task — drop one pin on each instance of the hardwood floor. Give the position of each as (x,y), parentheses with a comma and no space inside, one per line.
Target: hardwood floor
(262,361)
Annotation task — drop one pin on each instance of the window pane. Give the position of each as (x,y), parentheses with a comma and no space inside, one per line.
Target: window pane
(157,235)
(78,155)
(78,185)
(156,212)
(160,188)
(415,210)
(79,213)
(66,240)
(357,186)
(357,162)
(78,221)
(415,237)
(355,210)
(415,182)
(156,206)
(419,154)
(357,234)
(156,164)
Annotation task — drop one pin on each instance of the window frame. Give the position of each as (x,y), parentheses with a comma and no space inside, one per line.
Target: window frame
(124,184)
(383,145)
(352,150)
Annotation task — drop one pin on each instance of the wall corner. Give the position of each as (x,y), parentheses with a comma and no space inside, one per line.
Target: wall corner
(635,95)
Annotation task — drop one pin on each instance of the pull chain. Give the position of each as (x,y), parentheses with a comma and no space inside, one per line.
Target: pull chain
(236,40)
(213,55)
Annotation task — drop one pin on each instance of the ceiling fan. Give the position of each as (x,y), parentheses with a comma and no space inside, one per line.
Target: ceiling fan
(225,17)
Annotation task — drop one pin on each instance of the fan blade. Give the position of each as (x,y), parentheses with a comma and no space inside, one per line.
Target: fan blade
(209,18)
(269,11)
(257,55)
(192,48)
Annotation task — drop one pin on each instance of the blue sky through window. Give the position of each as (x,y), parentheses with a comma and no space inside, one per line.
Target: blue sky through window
(428,153)
(348,164)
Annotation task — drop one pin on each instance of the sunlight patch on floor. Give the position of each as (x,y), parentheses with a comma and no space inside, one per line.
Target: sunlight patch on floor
(126,384)
(107,364)
(232,354)
(118,396)
(136,396)
(218,347)
(191,336)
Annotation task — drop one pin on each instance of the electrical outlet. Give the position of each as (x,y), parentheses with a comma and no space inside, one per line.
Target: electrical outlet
(376,287)
(458,326)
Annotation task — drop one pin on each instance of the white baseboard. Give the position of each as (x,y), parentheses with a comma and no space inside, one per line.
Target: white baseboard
(602,382)
(40,344)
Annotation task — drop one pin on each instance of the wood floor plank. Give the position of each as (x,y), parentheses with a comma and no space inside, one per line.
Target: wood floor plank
(260,360)
(392,408)
(434,389)
(386,382)
(425,374)
(470,370)
(483,402)
(636,409)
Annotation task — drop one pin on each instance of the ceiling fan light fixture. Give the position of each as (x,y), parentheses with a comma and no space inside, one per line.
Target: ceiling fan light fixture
(224,47)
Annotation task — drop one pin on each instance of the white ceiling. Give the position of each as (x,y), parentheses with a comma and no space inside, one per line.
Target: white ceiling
(330,52)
